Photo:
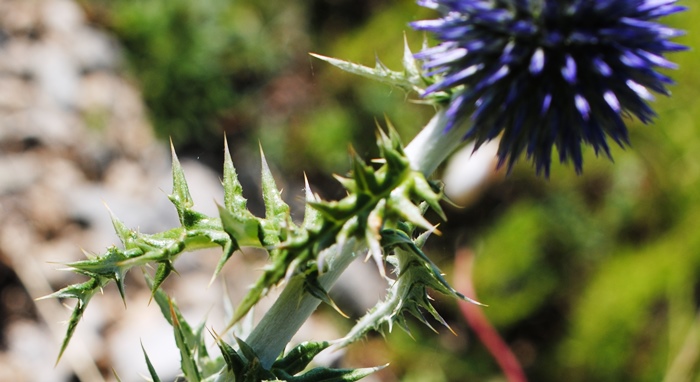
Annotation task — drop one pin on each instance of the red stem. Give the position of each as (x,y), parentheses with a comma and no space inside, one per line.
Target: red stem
(480,324)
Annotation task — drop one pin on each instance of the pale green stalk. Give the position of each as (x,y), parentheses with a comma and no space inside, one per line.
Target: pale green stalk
(433,144)
(294,306)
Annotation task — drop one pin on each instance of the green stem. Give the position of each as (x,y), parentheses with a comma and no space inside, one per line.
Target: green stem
(433,144)
(294,306)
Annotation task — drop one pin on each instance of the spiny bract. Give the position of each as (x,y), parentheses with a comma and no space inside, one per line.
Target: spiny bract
(549,73)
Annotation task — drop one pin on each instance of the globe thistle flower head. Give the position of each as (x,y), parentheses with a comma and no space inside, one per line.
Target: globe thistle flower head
(546,73)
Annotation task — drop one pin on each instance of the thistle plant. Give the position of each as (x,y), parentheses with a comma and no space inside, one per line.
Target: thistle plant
(541,74)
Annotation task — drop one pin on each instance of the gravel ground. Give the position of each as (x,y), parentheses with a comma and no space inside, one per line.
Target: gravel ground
(73,137)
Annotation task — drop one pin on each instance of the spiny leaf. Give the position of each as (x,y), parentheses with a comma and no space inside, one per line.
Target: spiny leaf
(75,317)
(233,191)
(233,360)
(247,351)
(419,242)
(425,192)
(243,229)
(125,234)
(347,183)
(364,177)
(414,310)
(314,288)
(375,252)
(336,211)
(322,374)
(245,365)
(119,278)
(275,208)
(255,372)
(276,227)
(83,293)
(410,64)
(388,140)
(312,218)
(403,207)
(108,265)
(408,293)
(392,151)
(78,291)
(297,359)
(411,253)
(383,313)
(228,250)
(180,196)
(431,309)
(393,238)
(401,321)
(151,369)
(115,263)
(375,222)
(163,271)
(199,343)
(187,362)
(348,229)
(379,73)
(168,307)
(282,257)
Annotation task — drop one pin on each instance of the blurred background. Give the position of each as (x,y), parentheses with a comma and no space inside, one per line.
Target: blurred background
(587,278)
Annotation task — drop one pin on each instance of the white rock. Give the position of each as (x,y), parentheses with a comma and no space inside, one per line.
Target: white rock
(15,93)
(15,56)
(18,172)
(93,49)
(62,16)
(55,71)
(32,351)
(19,16)
(52,125)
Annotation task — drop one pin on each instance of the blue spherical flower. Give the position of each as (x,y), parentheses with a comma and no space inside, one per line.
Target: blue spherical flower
(544,73)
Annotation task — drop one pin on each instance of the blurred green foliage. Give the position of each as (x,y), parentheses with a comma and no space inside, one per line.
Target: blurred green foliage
(589,278)
(241,67)
(198,60)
